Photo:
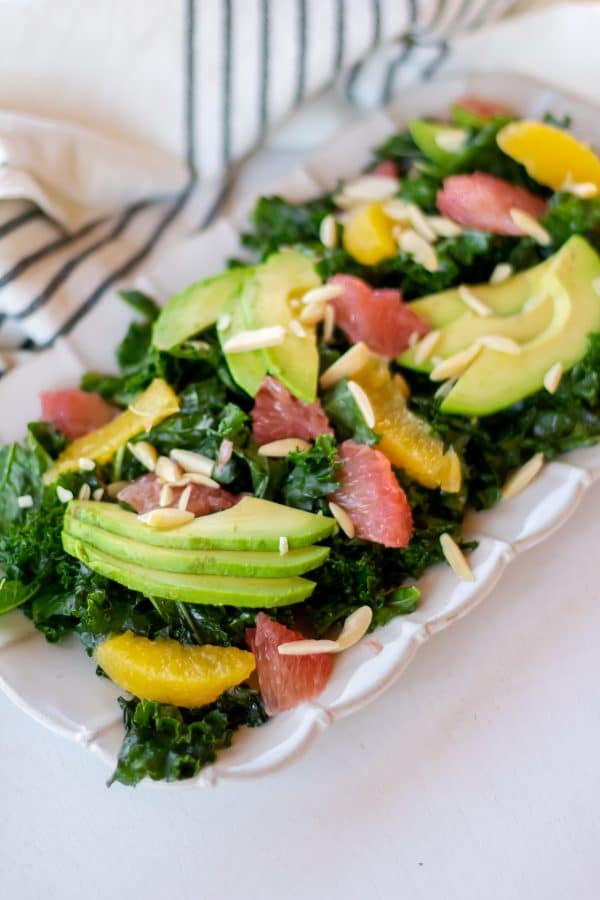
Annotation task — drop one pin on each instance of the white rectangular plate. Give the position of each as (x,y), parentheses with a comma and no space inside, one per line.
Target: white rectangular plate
(57,686)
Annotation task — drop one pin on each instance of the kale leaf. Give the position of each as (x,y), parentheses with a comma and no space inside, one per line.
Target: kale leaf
(276,222)
(171,744)
(312,476)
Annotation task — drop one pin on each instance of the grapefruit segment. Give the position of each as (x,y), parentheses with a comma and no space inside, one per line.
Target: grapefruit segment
(143,495)
(277,414)
(378,318)
(285,681)
(369,492)
(484,202)
(75,412)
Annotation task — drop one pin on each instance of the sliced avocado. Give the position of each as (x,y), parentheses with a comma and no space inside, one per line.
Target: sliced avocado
(506,298)
(266,301)
(196,308)
(496,380)
(252,524)
(251,563)
(247,369)
(214,590)
(426,135)
(464,331)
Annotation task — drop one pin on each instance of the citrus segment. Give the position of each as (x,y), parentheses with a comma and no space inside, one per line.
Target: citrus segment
(368,235)
(75,412)
(277,414)
(379,318)
(551,155)
(484,202)
(285,681)
(144,494)
(169,672)
(407,440)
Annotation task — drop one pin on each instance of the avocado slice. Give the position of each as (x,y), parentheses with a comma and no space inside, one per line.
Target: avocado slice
(425,134)
(464,331)
(196,308)
(496,380)
(247,369)
(252,524)
(266,301)
(249,563)
(214,590)
(506,298)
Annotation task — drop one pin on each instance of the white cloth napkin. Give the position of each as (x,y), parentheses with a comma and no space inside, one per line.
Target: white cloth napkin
(120,123)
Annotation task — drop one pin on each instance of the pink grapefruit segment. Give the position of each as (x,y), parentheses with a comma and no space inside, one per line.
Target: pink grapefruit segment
(379,318)
(75,412)
(277,414)
(484,202)
(143,494)
(369,492)
(285,681)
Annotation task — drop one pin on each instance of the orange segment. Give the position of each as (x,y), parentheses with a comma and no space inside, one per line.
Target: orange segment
(169,672)
(552,157)
(407,440)
(368,235)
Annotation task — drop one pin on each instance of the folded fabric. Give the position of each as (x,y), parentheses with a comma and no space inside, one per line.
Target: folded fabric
(131,116)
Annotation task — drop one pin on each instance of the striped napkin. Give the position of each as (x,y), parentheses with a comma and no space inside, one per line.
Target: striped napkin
(131,117)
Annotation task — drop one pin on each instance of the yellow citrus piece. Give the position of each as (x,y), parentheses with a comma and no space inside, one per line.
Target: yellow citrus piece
(169,672)
(153,405)
(407,440)
(552,157)
(368,235)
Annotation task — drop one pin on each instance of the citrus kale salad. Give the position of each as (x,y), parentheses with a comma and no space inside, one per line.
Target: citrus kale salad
(290,444)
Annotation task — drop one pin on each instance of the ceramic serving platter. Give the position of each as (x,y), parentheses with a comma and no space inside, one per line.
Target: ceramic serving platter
(57,686)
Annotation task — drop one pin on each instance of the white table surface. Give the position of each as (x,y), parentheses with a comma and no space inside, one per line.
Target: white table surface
(474,776)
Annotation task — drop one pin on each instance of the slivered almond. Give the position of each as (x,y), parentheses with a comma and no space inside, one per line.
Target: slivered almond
(284,545)
(167,518)
(25,501)
(413,339)
(553,377)
(296,328)
(426,346)
(225,453)
(63,494)
(86,464)
(584,189)
(257,339)
(363,403)
(328,231)
(184,499)
(190,461)
(224,322)
(453,479)
(472,301)
(98,494)
(354,629)
(444,227)
(85,492)
(370,188)
(346,366)
(342,201)
(145,453)
(281,448)
(323,293)
(313,313)
(195,478)
(451,139)
(166,495)
(397,209)
(455,365)
(455,558)
(520,479)
(500,343)
(420,223)
(328,323)
(413,244)
(501,272)
(343,519)
(445,388)
(530,226)
(115,487)
(167,469)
